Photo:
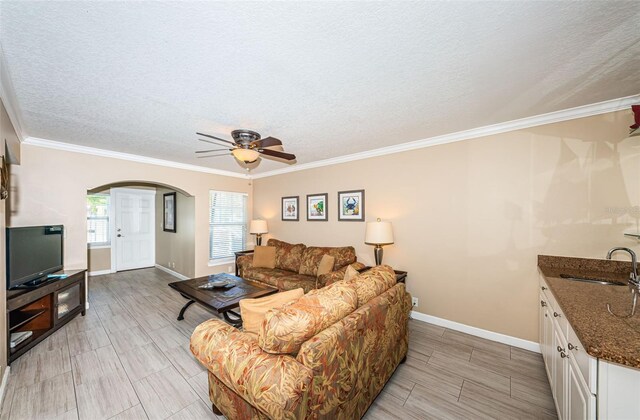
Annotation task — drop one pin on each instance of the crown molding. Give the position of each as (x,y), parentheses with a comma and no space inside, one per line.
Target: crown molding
(9,99)
(543,119)
(550,118)
(51,144)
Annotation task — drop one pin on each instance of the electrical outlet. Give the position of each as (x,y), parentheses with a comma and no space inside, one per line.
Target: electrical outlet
(414,301)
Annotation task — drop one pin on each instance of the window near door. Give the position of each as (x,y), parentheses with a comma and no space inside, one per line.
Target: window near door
(227,224)
(98,220)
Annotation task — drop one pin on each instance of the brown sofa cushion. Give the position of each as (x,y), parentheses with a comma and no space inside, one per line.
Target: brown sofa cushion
(264,257)
(293,281)
(282,279)
(265,275)
(253,310)
(288,256)
(285,329)
(312,255)
(372,283)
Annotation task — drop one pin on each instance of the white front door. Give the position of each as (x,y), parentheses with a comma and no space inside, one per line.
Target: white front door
(134,228)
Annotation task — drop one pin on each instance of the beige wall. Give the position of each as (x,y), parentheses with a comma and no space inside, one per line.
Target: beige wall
(470,217)
(99,259)
(51,186)
(9,140)
(176,251)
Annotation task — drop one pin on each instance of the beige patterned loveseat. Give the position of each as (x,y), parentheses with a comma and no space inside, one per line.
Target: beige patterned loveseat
(326,355)
(297,266)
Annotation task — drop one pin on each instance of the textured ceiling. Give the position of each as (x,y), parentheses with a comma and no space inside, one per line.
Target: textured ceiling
(328,78)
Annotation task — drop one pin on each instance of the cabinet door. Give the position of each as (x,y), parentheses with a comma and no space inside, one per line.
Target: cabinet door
(579,398)
(546,334)
(67,300)
(559,371)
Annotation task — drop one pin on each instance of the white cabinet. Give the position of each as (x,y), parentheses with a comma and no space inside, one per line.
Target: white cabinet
(573,397)
(558,371)
(580,402)
(546,334)
(618,391)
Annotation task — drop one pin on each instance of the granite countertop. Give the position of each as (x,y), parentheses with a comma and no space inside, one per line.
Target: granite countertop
(585,306)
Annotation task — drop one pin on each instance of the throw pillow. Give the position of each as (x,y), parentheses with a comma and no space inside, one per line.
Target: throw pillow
(351,273)
(326,264)
(264,257)
(254,310)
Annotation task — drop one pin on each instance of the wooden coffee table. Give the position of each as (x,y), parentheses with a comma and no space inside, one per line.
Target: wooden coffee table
(220,300)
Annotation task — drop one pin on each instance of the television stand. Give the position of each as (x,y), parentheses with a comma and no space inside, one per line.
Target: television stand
(43,309)
(35,283)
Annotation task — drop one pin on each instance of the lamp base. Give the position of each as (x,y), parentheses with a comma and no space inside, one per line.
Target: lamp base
(377,253)
(259,239)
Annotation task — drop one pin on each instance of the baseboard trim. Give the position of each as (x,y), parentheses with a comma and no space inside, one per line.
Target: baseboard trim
(478,332)
(173,273)
(99,272)
(5,382)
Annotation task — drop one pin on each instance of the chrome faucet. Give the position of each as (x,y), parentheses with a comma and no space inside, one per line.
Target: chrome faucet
(634,281)
(633,277)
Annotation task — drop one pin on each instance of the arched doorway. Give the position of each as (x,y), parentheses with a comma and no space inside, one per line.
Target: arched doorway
(116,236)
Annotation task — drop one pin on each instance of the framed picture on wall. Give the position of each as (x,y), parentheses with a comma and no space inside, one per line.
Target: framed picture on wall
(169,212)
(317,207)
(351,206)
(290,207)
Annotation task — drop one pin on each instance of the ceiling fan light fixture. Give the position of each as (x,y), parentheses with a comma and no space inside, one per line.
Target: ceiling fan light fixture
(246,155)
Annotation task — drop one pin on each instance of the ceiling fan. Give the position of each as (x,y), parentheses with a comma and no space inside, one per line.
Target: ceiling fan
(247,146)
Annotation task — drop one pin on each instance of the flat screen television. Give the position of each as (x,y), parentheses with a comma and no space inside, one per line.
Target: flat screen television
(32,253)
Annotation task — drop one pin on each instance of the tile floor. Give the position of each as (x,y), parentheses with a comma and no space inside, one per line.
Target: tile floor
(129,358)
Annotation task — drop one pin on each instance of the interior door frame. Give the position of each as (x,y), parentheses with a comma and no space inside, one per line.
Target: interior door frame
(112,220)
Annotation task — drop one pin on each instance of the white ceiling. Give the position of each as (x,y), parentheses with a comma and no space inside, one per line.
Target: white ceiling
(328,78)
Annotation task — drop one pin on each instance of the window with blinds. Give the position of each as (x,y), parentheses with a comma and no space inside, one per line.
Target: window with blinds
(227,224)
(98,220)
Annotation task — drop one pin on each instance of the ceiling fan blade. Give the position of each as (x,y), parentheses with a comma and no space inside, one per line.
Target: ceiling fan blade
(217,144)
(267,142)
(212,150)
(275,153)
(225,154)
(215,138)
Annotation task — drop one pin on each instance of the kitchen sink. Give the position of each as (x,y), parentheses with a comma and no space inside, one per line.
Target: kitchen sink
(592,280)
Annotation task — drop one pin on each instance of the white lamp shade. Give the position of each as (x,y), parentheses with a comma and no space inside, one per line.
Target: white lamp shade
(246,155)
(258,226)
(378,233)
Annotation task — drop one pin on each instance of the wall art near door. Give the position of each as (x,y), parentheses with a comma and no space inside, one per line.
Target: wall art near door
(4,179)
(169,207)
(351,206)
(317,207)
(290,208)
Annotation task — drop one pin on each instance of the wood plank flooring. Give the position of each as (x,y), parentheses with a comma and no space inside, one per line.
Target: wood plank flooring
(129,358)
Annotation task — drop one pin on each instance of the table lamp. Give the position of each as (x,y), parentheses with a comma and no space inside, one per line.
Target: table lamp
(378,233)
(258,227)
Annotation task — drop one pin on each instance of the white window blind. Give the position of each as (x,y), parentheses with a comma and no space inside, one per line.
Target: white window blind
(227,224)
(98,219)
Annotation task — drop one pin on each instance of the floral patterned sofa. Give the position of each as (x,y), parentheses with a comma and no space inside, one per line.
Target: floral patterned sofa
(326,355)
(297,265)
